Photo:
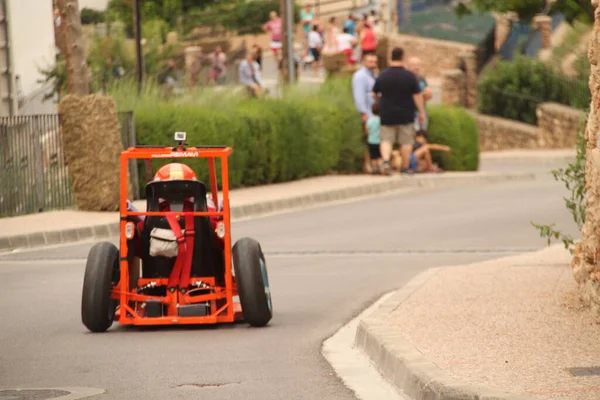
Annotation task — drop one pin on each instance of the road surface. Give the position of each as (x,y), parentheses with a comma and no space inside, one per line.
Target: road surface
(326,265)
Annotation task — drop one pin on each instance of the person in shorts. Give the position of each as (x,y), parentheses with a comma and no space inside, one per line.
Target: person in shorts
(420,159)
(315,44)
(275,27)
(399,97)
(373,138)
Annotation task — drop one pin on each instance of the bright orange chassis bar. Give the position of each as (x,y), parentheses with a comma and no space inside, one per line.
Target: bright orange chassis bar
(228,312)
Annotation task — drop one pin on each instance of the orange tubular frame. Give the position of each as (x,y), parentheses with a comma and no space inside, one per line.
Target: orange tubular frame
(228,312)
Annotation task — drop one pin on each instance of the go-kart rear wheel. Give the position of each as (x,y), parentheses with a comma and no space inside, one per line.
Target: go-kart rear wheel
(252,281)
(101,272)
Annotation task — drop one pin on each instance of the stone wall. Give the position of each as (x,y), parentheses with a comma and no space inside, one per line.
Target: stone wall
(436,55)
(454,91)
(556,129)
(586,262)
(504,134)
(558,125)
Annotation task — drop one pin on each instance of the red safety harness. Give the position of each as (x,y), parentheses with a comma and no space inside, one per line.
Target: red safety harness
(180,275)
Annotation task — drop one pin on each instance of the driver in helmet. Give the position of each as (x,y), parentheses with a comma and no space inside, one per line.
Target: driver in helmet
(178,171)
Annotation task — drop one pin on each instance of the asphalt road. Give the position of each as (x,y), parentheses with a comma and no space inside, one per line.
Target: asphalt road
(325,264)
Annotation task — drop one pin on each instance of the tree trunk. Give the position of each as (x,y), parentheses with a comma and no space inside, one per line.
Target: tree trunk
(586,263)
(77,71)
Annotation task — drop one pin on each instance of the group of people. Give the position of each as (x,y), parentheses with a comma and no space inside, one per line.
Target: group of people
(355,37)
(392,108)
(330,39)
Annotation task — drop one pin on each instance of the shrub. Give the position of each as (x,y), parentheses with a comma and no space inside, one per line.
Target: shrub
(454,127)
(91,16)
(515,88)
(274,140)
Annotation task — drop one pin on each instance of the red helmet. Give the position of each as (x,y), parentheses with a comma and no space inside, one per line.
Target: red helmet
(174,171)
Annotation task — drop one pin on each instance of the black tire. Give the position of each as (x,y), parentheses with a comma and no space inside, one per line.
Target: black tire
(101,272)
(252,281)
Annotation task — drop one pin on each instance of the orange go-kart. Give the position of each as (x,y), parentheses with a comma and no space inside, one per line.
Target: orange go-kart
(175,264)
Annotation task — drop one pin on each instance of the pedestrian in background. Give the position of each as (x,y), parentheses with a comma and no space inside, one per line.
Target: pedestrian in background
(275,27)
(350,25)
(306,19)
(250,76)
(315,46)
(414,66)
(368,39)
(362,87)
(374,138)
(400,96)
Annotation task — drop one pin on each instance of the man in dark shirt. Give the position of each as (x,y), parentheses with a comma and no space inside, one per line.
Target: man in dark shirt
(400,96)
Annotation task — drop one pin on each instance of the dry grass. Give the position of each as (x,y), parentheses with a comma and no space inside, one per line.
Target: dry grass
(92,146)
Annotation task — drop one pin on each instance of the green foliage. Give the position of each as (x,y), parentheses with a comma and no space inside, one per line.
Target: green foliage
(514,89)
(55,74)
(240,15)
(573,176)
(90,16)
(246,17)
(456,128)
(274,140)
(574,10)
(105,55)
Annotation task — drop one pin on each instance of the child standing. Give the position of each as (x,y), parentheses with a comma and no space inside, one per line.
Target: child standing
(374,139)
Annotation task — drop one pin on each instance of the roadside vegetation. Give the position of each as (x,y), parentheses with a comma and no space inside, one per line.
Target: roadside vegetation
(573,177)
(301,135)
(514,89)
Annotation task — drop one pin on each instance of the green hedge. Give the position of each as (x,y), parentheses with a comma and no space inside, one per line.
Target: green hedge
(457,128)
(273,140)
(514,89)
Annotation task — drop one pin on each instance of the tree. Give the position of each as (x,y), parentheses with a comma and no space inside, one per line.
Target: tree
(77,71)
(527,9)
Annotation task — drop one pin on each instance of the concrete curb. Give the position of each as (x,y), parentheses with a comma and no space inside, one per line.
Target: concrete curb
(403,365)
(385,185)
(536,157)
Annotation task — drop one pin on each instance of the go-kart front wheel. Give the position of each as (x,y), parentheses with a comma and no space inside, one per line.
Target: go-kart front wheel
(252,282)
(101,270)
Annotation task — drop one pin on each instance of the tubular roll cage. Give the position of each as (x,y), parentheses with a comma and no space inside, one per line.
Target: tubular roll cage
(172,299)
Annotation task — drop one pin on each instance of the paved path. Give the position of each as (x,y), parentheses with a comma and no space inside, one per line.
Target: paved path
(325,264)
(521,318)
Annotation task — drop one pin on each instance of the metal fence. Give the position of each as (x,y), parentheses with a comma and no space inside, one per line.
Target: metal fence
(35,175)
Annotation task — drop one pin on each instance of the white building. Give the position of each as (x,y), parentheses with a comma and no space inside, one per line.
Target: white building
(31,35)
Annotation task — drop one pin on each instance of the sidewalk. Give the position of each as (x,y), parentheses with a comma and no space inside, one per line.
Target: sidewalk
(510,328)
(57,227)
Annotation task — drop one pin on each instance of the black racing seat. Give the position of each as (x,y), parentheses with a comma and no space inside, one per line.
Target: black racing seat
(207,260)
